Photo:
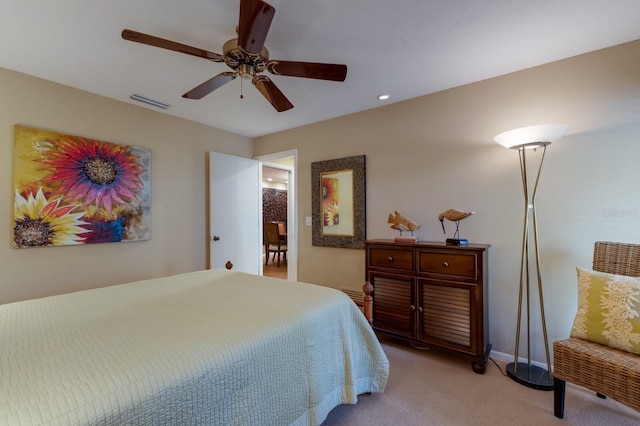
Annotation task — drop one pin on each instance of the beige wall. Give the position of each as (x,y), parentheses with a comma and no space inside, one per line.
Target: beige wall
(437,152)
(178,189)
(423,156)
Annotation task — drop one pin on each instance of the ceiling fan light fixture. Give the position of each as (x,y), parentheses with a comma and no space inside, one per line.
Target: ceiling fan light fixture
(246,72)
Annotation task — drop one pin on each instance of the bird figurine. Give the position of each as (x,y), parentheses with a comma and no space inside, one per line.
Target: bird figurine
(401,223)
(456,216)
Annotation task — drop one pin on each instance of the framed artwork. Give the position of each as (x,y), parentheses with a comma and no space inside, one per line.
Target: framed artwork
(71,190)
(338,201)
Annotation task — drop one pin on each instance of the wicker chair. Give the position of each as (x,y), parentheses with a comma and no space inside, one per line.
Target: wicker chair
(604,370)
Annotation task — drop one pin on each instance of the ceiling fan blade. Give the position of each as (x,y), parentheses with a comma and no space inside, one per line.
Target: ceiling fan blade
(271,93)
(333,72)
(255,20)
(171,45)
(210,85)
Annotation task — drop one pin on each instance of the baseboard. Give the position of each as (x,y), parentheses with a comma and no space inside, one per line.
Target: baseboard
(507,358)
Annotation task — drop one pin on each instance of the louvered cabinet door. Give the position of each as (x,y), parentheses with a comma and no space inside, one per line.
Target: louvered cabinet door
(447,313)
(394,309)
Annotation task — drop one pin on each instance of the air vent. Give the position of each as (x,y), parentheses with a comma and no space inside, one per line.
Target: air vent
(151,102)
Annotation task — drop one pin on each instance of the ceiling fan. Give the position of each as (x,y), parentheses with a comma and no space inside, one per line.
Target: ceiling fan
(247,57)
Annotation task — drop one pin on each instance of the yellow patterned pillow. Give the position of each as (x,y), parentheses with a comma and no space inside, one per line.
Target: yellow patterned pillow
(608,308)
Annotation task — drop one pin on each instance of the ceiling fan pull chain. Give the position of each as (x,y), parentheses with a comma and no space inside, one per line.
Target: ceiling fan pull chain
(241,95)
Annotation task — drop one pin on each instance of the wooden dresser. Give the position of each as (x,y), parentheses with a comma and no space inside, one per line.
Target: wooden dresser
(432,295)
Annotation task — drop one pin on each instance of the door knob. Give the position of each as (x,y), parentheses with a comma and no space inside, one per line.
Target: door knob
(216,238)
(228,265)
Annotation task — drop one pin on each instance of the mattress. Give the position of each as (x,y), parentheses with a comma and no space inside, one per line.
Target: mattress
(210,347)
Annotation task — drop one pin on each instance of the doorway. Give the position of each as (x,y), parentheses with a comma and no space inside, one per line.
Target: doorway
(278,184)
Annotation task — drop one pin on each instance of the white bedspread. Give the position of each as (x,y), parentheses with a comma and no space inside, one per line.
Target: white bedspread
(203,348)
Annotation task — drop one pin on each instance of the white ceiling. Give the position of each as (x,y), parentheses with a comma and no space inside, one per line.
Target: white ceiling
(275,175)
(406,48)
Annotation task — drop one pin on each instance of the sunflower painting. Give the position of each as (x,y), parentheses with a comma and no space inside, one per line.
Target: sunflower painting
(74,190)
(330,201)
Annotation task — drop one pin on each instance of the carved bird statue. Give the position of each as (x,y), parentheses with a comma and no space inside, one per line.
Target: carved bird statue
(453,215)
(401,223)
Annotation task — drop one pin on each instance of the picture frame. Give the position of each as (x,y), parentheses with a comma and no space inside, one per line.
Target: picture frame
(73,190)
(339,202)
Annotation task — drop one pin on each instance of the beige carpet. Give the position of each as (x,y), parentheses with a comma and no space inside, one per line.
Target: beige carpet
(428,388)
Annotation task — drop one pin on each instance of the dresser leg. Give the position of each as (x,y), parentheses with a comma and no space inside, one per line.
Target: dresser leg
(480,366)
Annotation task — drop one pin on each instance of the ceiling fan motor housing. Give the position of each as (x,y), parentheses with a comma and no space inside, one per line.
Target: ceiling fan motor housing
(246,64)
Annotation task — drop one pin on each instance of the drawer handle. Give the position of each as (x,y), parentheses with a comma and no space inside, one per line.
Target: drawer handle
(390,259)
(445,264)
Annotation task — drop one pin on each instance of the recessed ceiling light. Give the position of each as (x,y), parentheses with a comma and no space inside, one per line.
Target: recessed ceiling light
(383,97)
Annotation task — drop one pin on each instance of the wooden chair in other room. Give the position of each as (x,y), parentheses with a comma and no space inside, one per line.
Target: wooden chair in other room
(272,243)
(282,230)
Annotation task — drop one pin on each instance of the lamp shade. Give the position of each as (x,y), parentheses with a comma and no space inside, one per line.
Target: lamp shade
(532,136)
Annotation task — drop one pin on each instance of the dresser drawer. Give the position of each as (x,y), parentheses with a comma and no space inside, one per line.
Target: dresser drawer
(381,257)
(445,263)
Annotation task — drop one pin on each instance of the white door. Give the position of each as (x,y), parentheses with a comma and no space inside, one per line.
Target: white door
(235,209)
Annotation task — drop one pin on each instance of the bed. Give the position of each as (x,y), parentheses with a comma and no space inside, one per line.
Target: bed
(211,347)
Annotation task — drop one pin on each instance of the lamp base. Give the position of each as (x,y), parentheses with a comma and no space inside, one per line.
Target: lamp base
(531,376)
(457,242)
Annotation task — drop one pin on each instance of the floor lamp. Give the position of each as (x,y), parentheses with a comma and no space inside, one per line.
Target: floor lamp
(524,139)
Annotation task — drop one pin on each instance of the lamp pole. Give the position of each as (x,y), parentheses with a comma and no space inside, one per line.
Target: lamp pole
(526,373)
